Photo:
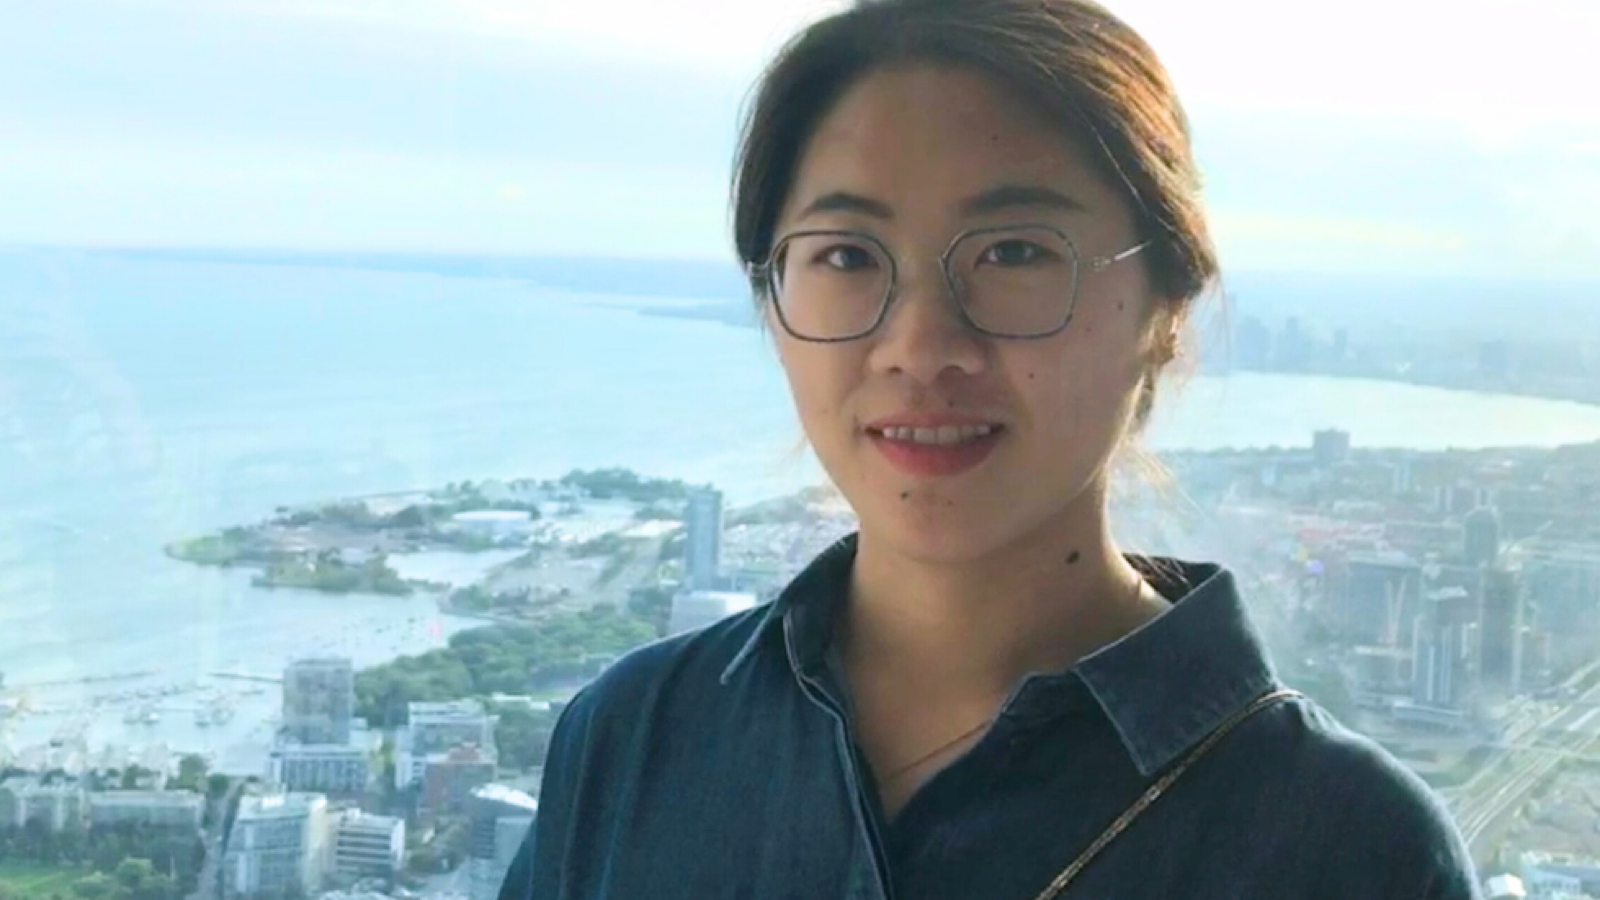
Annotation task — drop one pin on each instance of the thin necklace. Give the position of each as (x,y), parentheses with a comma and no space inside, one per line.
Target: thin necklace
(1138,593)
(889,778)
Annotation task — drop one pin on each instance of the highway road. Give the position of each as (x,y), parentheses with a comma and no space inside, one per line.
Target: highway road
(1485,806)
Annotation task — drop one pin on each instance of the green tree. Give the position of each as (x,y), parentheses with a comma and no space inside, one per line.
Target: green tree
(192,770)
(72,845)
(217,785)
(142,881)
(99,886)
(522,736)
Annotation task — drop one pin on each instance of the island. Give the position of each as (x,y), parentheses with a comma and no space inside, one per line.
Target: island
(346,545)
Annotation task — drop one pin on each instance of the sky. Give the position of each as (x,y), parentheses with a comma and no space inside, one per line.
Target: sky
(1454,136)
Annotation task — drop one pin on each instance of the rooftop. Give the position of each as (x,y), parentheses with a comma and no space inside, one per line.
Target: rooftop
(279,806)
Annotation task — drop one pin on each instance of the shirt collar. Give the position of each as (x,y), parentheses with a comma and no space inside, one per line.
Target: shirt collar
(1164,686)
(1169,683)
(803,611)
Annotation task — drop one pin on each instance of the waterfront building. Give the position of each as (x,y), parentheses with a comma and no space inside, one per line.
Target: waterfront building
(335,769)
(318,701)
(177,810)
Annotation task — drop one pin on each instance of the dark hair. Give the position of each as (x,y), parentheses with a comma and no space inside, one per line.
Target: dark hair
(1071,59)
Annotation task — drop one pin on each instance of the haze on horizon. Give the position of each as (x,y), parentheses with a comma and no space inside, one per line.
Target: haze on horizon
(1413,138)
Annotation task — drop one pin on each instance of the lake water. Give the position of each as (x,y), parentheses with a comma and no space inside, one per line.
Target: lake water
(142,401)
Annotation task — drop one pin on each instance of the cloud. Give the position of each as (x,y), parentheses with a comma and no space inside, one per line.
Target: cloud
(533,125)
(715,34)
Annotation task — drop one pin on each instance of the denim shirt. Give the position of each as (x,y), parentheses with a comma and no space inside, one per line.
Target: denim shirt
(723,764)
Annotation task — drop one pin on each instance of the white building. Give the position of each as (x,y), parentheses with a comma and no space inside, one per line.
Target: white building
(499,819)
(148,809)
(366,845)
(434,728)
(1504,887)
(320,768)
(58,804)
(279,845)
(495,523)
(697,609)
(1551,874)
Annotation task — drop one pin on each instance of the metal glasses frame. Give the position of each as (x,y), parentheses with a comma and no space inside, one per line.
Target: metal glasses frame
(766,272)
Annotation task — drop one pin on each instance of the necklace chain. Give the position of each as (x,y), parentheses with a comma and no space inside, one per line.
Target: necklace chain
(902,770)
(896,773)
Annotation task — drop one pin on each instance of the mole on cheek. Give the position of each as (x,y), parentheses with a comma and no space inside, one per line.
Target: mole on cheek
(1073,557)
(905,495)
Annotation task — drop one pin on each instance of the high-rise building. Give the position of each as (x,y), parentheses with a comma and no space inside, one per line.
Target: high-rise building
(1482,537)
(1296,347)
(279,846)
(1330,447)
(703,547)
(434,728)
(368,846)
(499,818)
(1567,582)
(1460,499)
(1534,671)
(1252,344)
(1442,653)
(318,701)
(1374,597)
(1501,615)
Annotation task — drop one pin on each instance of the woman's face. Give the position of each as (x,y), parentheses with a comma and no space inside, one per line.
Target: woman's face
(909,156)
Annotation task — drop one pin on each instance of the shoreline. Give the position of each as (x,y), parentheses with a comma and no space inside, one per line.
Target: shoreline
(741,316)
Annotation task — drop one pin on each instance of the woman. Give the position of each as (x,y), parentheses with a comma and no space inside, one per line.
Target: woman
(974,230)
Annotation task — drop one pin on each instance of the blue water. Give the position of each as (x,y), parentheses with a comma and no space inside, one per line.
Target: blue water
(143,400)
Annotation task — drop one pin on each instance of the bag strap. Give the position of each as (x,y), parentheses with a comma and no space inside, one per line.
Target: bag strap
(1154,792)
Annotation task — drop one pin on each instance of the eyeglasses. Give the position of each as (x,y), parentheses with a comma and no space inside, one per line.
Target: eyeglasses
(1015,281)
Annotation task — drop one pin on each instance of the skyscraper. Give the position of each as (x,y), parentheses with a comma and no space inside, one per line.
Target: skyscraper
(1374,597)
(1501,617)
(703,550)
(1442,655)
(318,701)
(1482,537)
(1330,447)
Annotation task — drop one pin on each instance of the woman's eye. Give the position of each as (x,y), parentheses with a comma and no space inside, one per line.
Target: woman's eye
(847,258)
(1013,253)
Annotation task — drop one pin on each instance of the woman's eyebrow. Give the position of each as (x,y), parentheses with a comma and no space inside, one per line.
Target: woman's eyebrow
(1010,196)
(844,201)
